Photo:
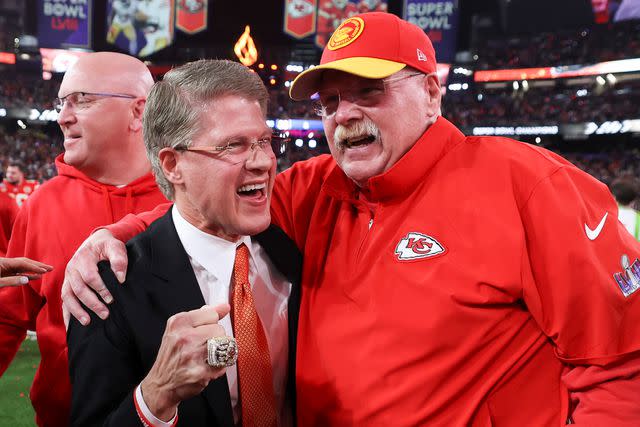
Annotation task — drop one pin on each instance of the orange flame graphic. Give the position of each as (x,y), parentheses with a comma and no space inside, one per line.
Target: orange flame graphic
(245,49)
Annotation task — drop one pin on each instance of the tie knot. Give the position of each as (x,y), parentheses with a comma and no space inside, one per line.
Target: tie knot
(241,264)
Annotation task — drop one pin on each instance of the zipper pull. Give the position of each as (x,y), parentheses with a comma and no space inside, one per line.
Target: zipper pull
(370,223)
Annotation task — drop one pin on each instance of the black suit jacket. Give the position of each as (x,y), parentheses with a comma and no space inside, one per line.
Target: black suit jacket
(108,359)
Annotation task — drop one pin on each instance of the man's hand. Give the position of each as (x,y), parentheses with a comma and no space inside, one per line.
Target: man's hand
(181,370)
(81,278)
(18,271)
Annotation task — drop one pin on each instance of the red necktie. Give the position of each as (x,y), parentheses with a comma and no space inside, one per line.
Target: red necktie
(257,399)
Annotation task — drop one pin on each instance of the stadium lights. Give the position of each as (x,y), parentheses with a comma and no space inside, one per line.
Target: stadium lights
(582,92)
(538,140)
(462,70)
(287,83)
(525,85)
(294,68)
(21,124)
(3,112)
(516,85)
(299,143)
(601,81)
(611,79)
(310,135)
(458,86)
(480,97)
(312,143)
(274,67)
(283,124)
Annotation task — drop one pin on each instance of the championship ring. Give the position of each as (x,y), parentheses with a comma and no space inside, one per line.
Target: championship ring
(222,351)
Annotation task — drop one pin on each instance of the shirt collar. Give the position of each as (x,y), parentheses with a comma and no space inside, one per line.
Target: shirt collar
(214,254)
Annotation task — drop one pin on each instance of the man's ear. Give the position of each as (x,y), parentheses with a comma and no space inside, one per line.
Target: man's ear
(170,165)
(137,109)
(434,92)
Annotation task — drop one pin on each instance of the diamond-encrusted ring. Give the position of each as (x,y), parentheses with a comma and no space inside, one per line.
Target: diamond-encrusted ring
(222,351)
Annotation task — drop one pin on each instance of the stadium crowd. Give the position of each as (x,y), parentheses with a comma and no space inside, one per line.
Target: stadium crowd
(34,148)
(543,105)
(600,43)
(19,91)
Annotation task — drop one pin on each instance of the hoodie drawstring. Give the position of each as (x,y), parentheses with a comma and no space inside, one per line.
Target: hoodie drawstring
(128,202)
(107,203)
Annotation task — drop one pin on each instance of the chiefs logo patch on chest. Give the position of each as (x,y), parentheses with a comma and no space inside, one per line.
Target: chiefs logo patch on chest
(416,246)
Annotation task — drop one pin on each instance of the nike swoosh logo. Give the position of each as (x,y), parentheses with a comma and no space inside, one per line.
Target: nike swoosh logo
(593,234)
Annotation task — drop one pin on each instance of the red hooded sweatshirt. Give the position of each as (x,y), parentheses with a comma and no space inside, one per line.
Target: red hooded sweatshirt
(51,225)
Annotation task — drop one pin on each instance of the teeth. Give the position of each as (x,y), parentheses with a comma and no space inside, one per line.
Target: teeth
(365,139)
(251,187)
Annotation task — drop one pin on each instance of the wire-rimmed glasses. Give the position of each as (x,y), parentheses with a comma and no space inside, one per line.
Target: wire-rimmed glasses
(82,100)
(367,94)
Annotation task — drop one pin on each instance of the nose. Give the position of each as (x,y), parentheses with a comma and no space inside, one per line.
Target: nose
(347,111)
(260,158)
(65,115)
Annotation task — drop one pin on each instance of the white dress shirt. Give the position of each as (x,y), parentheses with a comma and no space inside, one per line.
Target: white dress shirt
(212,259)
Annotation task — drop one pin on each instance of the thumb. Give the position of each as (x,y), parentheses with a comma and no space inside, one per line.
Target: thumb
(222,309)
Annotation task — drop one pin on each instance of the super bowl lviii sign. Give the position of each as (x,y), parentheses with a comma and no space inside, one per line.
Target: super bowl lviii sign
(439,19)
(64,23)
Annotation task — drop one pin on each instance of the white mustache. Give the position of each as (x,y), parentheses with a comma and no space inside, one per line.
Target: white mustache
(361,128)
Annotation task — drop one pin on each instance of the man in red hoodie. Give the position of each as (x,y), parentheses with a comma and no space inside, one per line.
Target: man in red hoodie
(103,175)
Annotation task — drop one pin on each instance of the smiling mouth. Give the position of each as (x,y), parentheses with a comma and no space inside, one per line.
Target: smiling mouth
(252,190)
(358,141)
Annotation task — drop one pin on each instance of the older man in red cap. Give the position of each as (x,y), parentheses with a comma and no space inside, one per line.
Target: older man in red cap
(447,280)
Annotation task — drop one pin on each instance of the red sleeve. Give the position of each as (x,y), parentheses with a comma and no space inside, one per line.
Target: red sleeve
(570,267)
(132,225)
(19,306)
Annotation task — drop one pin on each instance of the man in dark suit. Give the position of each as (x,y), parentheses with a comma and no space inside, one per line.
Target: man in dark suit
(214,251)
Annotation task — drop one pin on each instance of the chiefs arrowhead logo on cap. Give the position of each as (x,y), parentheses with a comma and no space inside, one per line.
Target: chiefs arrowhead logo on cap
(416,246)
(346,33)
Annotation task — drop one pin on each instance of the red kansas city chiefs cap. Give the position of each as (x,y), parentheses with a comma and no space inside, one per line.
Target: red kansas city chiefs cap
(371,45)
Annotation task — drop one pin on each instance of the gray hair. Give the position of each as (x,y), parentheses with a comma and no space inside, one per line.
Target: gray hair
(172,112)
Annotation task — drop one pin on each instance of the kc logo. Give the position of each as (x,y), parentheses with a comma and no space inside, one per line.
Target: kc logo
(417,245)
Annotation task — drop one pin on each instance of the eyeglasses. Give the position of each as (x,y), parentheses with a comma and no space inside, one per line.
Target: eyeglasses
(81,100)
(238,150)
(367,95)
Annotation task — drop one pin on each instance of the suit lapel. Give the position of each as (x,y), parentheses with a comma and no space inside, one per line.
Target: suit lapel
(179,291)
